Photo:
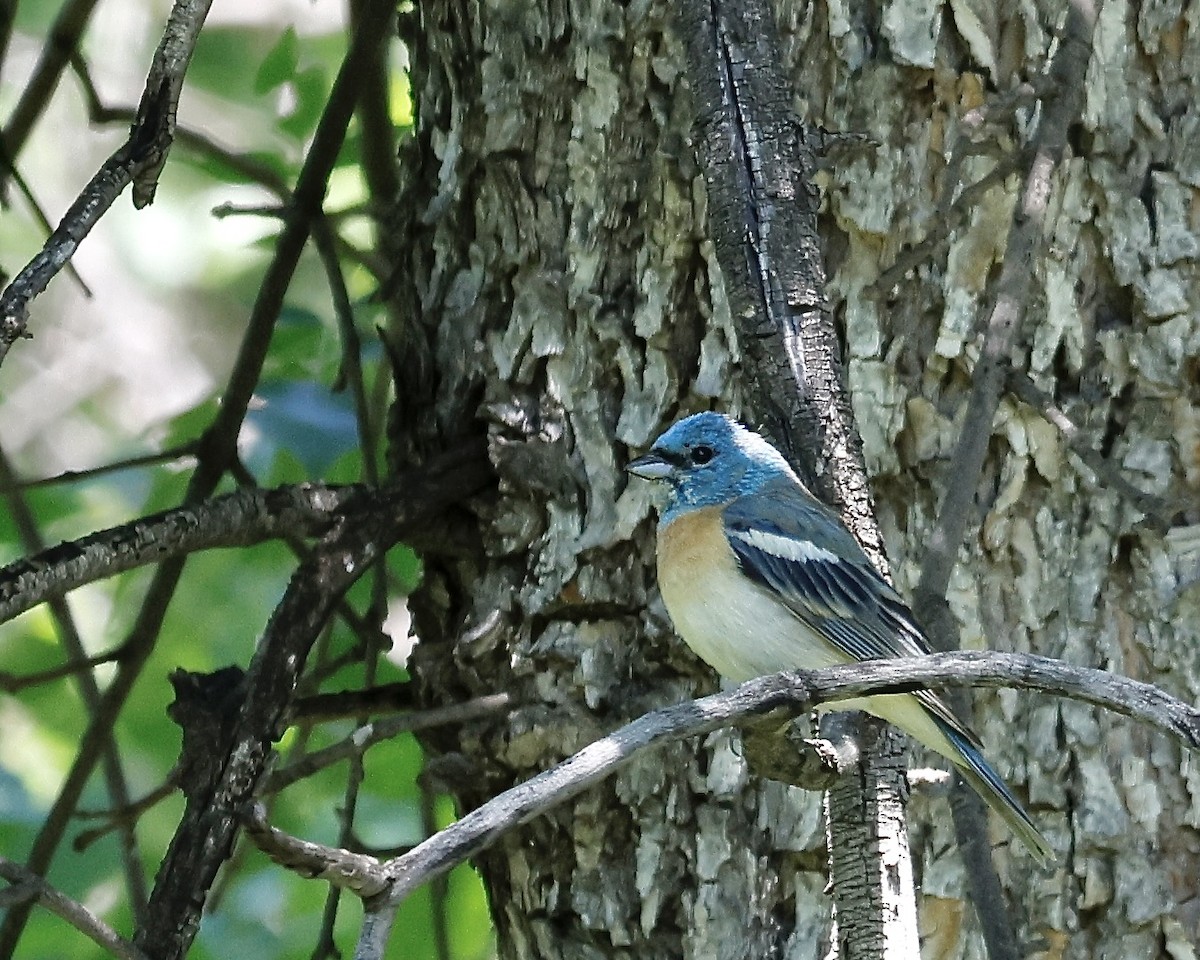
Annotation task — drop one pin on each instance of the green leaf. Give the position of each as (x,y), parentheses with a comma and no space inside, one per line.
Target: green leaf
(191,424)
(279,65)
(312,90)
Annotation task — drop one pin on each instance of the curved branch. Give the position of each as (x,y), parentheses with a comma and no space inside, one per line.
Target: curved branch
(28,885)
(797,692)
(358,872)
(237,519)
(138,161)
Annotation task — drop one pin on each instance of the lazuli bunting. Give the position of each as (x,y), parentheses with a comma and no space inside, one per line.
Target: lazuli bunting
(759,576)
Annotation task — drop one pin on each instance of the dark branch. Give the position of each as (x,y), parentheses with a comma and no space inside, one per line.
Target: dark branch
(89,689)
(90,473)
(1007,311)
(240,751)
(1156,509)
(218,447)
(62,42)
(759,163)
(12,683)
(237,519)
(138,161)
(370,734)
(385,698)
(1061,104)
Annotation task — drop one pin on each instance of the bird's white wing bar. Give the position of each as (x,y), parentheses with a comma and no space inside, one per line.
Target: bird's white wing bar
(786,548)
(841,598)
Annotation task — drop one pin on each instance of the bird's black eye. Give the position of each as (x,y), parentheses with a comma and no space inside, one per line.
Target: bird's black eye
(702,454)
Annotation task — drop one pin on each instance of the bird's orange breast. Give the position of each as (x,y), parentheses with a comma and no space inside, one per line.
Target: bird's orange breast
(721,615)
(692,546)
(740,627)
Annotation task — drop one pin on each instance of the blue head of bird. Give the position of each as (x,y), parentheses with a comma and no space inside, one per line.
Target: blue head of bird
(709,459)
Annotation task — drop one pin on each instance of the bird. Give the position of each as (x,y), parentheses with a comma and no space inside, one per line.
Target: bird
(760,576)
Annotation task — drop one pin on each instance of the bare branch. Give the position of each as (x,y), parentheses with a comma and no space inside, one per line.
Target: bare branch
(385,698)
(113,819)
(351,369)
(1062,100)
(218,447)
(244,165)
(76,914)
(1007,310)
(1028,392)
(138,161)
(62,41)
(89,690)
(797,692)
(90,473)
(358,872)
(235,758)
(370,734)
(11,683)
(941,228)
(241,518)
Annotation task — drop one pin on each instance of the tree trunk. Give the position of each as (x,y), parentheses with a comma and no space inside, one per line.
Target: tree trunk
(557,288)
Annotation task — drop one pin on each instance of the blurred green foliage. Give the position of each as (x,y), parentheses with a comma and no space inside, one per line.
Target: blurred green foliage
(266,82)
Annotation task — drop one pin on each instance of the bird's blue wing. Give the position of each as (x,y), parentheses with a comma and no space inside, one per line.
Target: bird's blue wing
(799,550)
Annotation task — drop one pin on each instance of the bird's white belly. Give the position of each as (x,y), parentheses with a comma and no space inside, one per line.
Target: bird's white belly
(729,621)
(743,631)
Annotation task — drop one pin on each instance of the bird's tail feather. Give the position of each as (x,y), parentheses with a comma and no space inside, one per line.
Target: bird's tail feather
(994,791)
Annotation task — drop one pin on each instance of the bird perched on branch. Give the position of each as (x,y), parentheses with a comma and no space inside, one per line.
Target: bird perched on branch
(759,576)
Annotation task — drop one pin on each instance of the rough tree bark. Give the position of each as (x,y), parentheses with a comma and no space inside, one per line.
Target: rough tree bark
(557,292)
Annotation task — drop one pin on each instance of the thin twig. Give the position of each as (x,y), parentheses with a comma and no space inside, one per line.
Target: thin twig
(1060,109)
(138,162)
(272,211)
(11,683)
(63,39)
(351,369)
(89,690)
(307,200)
(38,210)
(386,698)
(1108,472)
(75,913)
(91,473)
(1008,306)
(369,734)
(244,165)
(124,815)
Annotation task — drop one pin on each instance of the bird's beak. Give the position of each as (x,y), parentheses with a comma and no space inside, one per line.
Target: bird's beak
(650,467)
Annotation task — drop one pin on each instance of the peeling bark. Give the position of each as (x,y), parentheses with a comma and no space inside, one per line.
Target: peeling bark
(557,295)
